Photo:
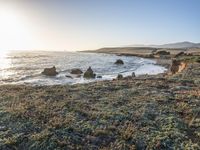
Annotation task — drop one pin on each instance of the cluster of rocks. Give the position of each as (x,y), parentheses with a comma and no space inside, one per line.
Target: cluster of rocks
(89,74)
(167,54)
(180,54)
(121,77)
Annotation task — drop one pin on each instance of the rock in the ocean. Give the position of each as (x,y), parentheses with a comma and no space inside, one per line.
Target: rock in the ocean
(89,73)
(50,71)
(119,62)
(76,71)
(68,76)
(99,77)
(133,74)
(119,76)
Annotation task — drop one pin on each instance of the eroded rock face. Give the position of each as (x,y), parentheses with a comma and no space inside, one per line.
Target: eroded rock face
(76,71)
(177,66)
(50,71)
(89,74)
(119,62)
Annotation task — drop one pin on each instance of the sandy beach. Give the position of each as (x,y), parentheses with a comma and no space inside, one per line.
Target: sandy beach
(145,112)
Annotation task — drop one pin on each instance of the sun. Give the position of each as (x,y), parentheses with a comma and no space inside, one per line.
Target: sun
(13,29)
(9,21)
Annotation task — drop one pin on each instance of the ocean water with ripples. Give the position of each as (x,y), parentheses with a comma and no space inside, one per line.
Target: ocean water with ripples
(25,67)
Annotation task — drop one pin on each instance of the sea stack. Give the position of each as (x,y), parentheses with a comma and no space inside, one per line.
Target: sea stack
(89,74)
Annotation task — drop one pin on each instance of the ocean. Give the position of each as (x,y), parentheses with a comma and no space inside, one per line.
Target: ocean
(25,67)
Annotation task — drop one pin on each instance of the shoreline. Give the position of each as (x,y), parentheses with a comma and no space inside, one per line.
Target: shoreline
(165,62)
(163,56)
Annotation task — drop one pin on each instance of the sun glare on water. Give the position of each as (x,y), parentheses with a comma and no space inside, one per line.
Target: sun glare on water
(5,63)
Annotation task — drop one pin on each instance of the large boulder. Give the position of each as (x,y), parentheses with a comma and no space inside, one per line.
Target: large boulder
(76,71)
(89,73)
(119,62)
(50,71)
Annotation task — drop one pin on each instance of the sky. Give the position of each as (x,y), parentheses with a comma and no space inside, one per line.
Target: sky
(91,24)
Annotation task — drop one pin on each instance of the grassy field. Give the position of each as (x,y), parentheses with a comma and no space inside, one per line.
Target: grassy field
(147,112)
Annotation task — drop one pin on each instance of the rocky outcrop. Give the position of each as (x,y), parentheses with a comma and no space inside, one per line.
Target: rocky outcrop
(119,62)
(89,73)
(180,54)
(50,71)
(76,71)
(162,53)
(177,66)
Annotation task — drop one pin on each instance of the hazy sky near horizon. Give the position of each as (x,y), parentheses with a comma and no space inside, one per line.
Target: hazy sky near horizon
(91,24)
